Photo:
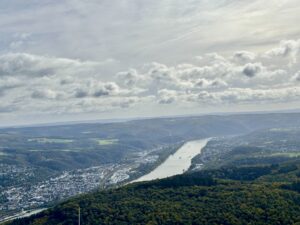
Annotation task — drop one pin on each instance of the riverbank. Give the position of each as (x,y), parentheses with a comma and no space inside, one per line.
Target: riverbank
(22,215)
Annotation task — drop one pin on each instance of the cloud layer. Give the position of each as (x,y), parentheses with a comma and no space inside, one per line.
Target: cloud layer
(146,58)
(142,31)
(41,84)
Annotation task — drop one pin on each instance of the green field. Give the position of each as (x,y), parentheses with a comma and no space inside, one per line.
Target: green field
(287,154)
(2,154)
(106,141)
(55,150)
(50,140)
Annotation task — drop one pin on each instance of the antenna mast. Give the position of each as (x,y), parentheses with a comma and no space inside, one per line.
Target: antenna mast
(79,215)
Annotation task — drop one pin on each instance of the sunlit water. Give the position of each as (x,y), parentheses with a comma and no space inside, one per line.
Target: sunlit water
(178,162)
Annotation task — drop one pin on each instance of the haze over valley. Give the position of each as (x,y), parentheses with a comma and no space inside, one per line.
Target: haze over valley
(149,112)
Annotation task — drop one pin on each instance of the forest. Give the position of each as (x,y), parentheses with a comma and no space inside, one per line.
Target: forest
(229,195)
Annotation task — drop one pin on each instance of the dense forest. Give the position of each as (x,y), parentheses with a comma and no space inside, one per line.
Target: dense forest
(267,194)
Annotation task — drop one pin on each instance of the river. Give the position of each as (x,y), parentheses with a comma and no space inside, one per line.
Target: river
(177,163)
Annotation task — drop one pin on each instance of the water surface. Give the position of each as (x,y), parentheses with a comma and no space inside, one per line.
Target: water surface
(177,163)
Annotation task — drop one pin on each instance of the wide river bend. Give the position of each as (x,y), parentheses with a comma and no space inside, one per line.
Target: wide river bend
(178,162)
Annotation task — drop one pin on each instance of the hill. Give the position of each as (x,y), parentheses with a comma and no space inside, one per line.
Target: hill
(229,195)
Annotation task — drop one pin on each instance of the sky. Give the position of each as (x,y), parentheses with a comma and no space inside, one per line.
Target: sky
(74,60)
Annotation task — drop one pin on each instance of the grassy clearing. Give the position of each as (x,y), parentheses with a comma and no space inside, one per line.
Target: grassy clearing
(50,140)
(287,154)
(56,150)
(2,154)
(106,141)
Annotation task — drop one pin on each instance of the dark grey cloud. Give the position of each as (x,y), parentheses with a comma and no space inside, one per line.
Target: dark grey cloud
(79,93)
(252,69)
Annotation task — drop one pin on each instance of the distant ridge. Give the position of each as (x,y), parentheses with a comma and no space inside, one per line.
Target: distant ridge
(122,120)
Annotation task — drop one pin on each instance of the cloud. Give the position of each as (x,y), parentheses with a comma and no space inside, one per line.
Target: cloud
(132,32)
(218,82)
(106,89)
(80,93)
(107,68)
(167,96)
(287,48)
(57,85)
(244,56)
(246,96)
(296,77)
(19,39)
(8,108)
(209,84)
(94,88)
(129,78)
(23,64)
(215,57)
(44,94)
(9,83)
(252,69)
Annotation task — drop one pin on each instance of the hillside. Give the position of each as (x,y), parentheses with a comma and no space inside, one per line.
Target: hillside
(229,195)
(275,145)
(43,160)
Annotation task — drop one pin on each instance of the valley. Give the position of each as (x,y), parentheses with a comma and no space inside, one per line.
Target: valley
(42,166)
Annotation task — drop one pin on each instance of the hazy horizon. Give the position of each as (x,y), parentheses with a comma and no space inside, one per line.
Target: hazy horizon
(124,119)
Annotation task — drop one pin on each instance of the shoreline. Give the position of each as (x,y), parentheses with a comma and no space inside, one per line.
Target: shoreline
(22,215)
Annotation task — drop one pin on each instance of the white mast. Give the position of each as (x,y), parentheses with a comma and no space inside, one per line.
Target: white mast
(79,215)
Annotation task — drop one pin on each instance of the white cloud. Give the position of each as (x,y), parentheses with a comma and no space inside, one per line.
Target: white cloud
(167,96)
(244,56)
(94,88)
(215,57)
(10,82)
(22,64)
(128,78)
(44,94)
(18,40)
(43,68)
(157,30)
(287,48)
(246,95)
(57,86)
(296,77)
